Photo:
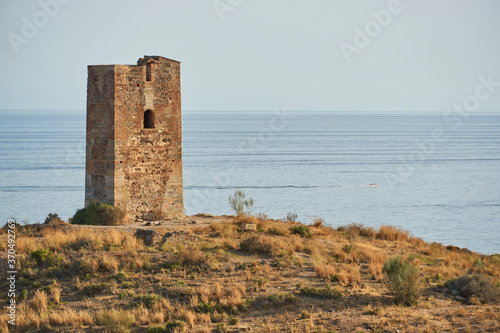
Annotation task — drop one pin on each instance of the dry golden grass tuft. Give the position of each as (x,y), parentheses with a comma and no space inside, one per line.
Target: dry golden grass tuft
(391,233)
(107,263)
(4,328)
(55,292)
(115,319)
(270,245)
(39,301)
(325,271)
(71,317)
(376,270)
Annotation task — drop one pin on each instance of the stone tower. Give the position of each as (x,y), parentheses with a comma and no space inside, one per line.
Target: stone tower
(134,138)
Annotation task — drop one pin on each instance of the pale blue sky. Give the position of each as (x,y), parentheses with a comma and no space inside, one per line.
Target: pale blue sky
(260,54)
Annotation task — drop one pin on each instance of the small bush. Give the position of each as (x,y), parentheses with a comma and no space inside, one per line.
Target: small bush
(290,217)
(390,233)
(53,219)
(115,320)
(271,245)
(40,255)
(282,298)
(475,286)
(125,294)
(22,295)
(94,289)
(326,292)
(194,259)
(402,280)
(147,300)
(318,222)
(357,229)
(44,256)
(241,206)
(39,301)
(120,277)
(301,230)
(173,326)
(221,328)
(156,329)
(99,214)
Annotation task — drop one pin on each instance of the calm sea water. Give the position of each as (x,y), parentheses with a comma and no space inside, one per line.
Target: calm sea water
(439,179)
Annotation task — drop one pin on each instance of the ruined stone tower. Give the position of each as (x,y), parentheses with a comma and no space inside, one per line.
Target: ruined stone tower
(134,138)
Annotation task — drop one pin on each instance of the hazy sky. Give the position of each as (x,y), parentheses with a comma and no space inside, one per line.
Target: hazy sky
(261,54)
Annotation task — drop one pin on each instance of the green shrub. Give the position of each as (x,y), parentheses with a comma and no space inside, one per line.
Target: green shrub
(282,298)
(402,280)
(99,214)
(301,230)
(348,248)
(147,300)
(40,255)
(94,289)
(156,329)
(125,293)
(120,277)
(475,286)
(326,292)
(221,328)
(22,295)
(241,206)
(172,326)
(44,256)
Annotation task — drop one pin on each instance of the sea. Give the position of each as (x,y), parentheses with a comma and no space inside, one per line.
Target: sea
(434,174)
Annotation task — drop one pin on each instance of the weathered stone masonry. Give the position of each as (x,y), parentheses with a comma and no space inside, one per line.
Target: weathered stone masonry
(134,138)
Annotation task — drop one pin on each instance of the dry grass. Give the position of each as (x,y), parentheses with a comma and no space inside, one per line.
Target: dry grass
(39,301)
(227,276)
(325,271)
(115,319)
(70,317)
(270,245)
(55,292)
(390,233)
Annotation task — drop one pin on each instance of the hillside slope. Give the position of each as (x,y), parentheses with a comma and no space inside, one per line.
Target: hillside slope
(206,274)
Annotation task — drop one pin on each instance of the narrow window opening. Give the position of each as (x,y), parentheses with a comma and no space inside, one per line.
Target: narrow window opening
(148,71)
(149,119)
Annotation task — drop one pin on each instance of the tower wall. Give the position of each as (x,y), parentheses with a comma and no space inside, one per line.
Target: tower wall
(144,165)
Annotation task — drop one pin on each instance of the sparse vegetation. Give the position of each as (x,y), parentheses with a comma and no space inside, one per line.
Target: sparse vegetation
(217,276)
(282,298)
(326,292)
